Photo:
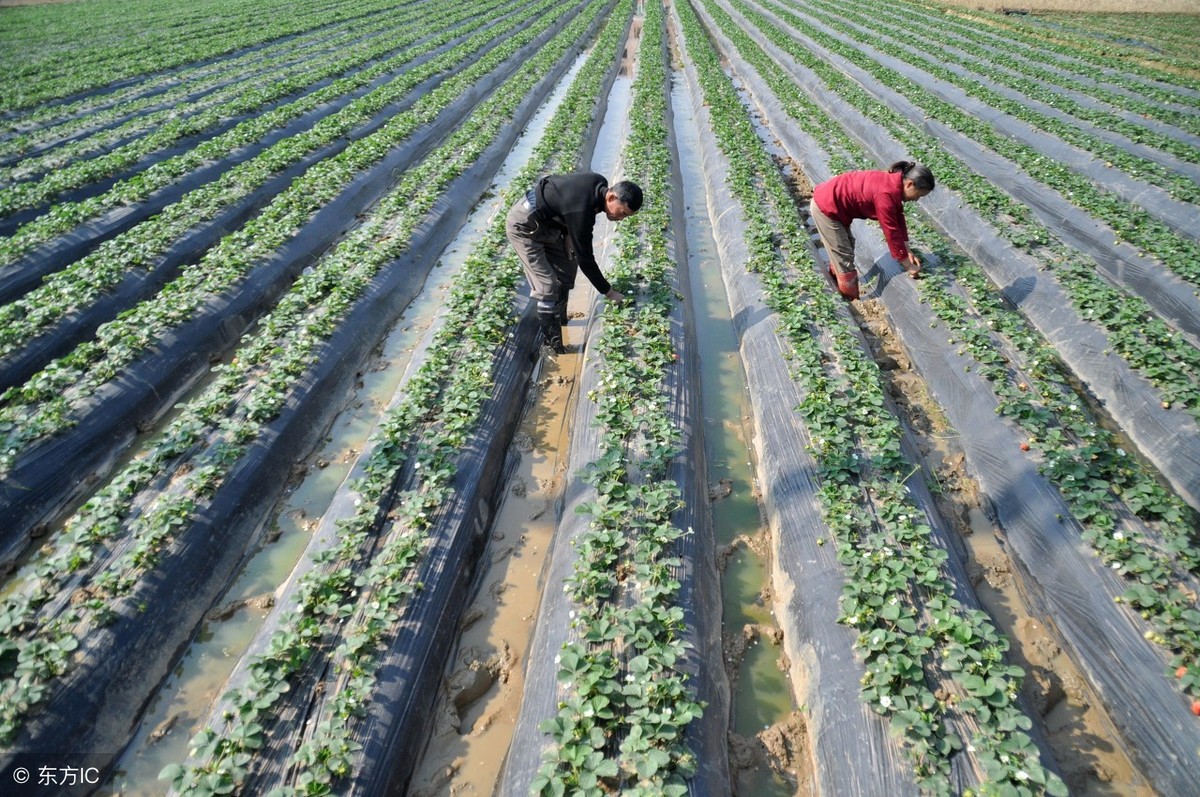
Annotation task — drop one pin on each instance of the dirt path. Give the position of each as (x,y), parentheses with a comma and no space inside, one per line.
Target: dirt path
(481,697)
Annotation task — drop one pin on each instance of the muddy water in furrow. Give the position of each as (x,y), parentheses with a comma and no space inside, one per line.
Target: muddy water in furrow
(763,706)
(184,699)
(482,693)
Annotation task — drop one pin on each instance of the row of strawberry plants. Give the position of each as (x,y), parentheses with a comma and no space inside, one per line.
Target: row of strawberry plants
(625,703)
(34,412)
(297,66)
(913,631)
(425,36)
(1079,456)
(1098,479)
(141,510)
(440,408)
(1083,51)
(1178,252)
(1150,35)
(112,261)
(49,46)
(244,101)
(1135,331)
(983,71)
(1064,61)
(1016,59)
(51,123)
(42,82)
(1145,496)
(1081,468)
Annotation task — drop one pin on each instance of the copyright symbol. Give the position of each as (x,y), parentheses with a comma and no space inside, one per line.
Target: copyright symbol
(21,775)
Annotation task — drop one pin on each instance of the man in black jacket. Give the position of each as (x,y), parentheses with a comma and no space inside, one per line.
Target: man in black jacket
(551,229)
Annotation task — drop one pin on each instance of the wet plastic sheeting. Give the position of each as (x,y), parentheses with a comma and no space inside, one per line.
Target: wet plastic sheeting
(853,752)
(400,712)
(1170,438)
(700,584)
(551,632)
(55,473)
(97,705)
(1069,586)
(699,594)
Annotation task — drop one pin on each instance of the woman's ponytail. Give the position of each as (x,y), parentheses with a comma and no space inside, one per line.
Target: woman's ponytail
(920,175)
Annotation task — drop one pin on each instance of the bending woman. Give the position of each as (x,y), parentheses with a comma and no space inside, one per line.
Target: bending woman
(868,195)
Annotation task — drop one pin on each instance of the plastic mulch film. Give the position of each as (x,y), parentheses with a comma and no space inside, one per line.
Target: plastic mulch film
(96,705)
(326,226)
(1170,438)
(409,673)
(699,595)
(853,751)
(1068,586)
(25,274)
(1173,298)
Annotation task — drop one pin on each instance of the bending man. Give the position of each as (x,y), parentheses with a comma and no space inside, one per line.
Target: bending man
(551,229)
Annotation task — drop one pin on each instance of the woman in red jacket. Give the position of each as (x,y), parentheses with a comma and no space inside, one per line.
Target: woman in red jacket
(867,195)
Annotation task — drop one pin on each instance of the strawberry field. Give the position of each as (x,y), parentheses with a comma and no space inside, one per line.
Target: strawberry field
(221,223)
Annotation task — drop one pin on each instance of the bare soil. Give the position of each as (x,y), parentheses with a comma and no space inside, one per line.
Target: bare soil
(481,696)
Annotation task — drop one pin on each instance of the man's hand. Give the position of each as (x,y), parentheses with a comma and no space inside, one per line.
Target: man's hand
(614,295)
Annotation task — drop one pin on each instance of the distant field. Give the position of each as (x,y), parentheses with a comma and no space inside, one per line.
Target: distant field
(1089,6)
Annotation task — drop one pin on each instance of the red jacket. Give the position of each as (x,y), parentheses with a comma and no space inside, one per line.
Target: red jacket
(868,195)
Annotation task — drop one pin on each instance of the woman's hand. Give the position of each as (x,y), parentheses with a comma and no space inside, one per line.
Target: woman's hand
(614,295)
(912,264)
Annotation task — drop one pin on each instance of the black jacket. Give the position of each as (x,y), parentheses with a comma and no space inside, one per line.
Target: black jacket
(571,201)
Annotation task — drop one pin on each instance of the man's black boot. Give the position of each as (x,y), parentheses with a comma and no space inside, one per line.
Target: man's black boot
(552,337)
(560,305)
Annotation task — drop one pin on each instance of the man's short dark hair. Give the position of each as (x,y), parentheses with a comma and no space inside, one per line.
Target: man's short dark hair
(629,194)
